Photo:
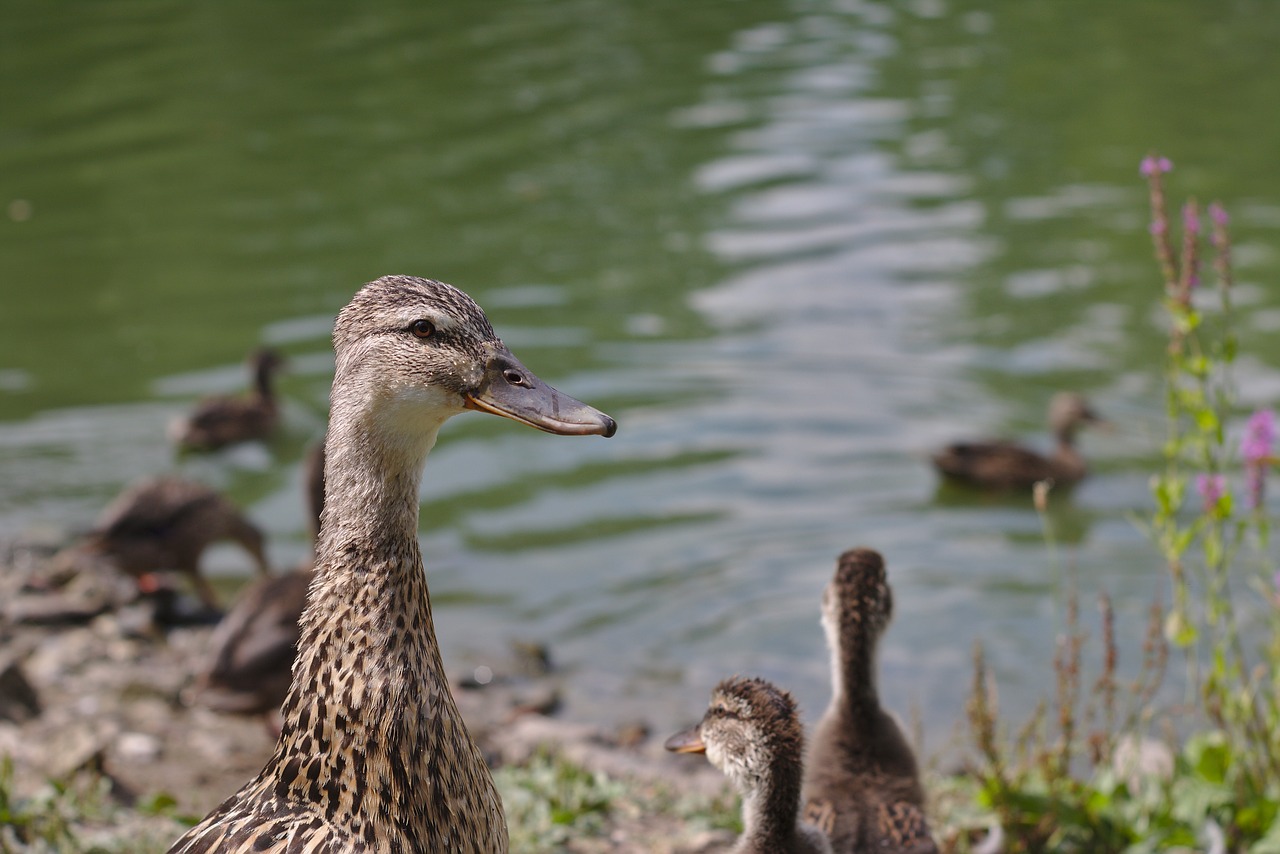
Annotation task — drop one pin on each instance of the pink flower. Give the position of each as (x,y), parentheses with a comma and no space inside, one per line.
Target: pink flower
(1218,214)
(1191,218)
(1255,448)
(1211,487)
(1259,436)
(1152,165)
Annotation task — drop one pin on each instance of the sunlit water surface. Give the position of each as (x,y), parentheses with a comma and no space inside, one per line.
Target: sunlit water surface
(790,246)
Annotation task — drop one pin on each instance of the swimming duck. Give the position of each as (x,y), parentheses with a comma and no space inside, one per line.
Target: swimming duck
(251,652)
(373,754)
(1003,465)
(751,731)
(862,785)
(220,421)
(166,523)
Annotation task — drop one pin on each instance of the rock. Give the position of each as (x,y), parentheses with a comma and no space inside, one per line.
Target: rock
(18,698)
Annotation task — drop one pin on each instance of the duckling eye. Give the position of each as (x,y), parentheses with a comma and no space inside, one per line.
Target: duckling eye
(422,328)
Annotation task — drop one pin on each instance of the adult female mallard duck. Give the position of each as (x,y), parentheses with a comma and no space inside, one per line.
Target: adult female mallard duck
(751,731)
(862,786)
(220,421)
(373,754)
(166,523)
(1001,464)
(251,652)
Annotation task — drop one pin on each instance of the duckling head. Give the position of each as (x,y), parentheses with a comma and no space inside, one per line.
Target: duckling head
(413,352)
(749,726)
(857,605)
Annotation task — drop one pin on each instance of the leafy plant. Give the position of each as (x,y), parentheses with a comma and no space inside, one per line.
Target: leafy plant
(1075,780)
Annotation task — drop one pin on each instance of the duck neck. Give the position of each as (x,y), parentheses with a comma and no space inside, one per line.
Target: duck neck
(854,692)
(369,719)
(769,811)
(262,379)
(1067,456)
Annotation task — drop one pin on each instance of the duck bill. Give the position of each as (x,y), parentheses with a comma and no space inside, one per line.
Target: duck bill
(513,391)
(689,741)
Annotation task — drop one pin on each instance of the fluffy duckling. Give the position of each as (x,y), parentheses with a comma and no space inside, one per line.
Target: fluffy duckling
(220,421)
(250,663)
(751,732)
(1004,465)
(166,523)
(862,786)
(373,754)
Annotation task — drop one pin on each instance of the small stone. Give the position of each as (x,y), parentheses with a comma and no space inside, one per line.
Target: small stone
(138,747)
(18,698)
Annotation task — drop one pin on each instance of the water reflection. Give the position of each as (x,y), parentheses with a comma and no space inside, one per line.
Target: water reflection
(791,246)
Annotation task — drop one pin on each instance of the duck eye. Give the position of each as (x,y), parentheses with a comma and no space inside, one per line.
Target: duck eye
(422,328)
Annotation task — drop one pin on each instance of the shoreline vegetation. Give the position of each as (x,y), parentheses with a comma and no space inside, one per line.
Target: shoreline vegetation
(99,752)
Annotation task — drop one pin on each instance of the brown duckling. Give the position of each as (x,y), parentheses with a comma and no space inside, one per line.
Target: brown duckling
(1004,465)
(249,668)
(220,421)
(751,731)
(166,523)
(373,754)
(862,785)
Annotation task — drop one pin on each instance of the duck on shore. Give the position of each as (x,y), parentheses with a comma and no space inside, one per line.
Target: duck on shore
(251,651)
(1003,465)
(216,422)
(751,731)
(373,754)
(162,524)
(862,784)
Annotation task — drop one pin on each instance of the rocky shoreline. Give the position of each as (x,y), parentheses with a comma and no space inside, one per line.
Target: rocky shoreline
(105,700)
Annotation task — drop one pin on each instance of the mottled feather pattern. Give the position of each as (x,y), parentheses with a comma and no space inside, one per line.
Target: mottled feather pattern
(862,784)
(373,754)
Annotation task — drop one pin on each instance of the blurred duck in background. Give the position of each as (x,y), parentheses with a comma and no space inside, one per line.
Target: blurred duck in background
(250,663)
(220,421)
(999,464)
(162,524)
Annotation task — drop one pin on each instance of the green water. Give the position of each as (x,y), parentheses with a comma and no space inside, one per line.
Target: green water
(790,246)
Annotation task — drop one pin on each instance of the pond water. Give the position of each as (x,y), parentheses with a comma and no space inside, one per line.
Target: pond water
(790,246)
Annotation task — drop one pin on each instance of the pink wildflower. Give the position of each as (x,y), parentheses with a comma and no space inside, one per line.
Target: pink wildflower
(1152,165)
(1211,488)
(1255,448)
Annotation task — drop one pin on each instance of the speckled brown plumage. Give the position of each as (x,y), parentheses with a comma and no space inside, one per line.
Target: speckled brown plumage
(166,523)
(862,785)
(373,754)
(751,731)
(1004,465)
(216,422)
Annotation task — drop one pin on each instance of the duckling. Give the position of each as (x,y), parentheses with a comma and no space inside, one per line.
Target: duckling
(250,662)
(1004,465)
(862,785)
(751,731)
(220,421)
(166,523)
(373,754)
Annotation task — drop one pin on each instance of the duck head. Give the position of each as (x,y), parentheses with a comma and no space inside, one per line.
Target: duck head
(857,605)
(748,727)
(417,352)
(1068,411)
